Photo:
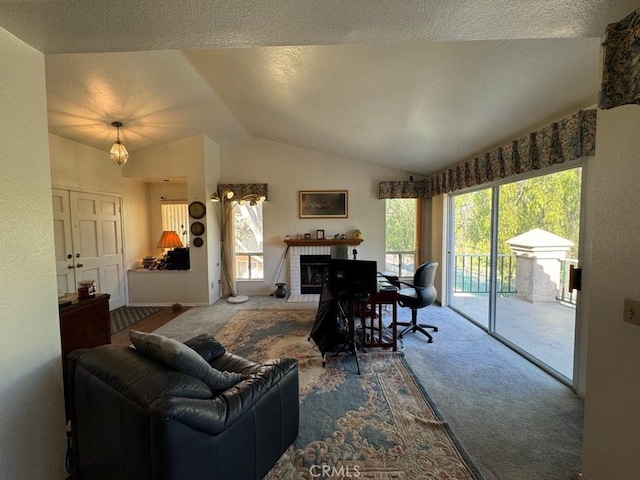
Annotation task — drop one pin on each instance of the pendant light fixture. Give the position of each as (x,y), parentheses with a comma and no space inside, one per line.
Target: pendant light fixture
(118,152)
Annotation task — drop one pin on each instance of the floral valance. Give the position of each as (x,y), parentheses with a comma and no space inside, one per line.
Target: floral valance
(569,139)
(242,190)
(621,66)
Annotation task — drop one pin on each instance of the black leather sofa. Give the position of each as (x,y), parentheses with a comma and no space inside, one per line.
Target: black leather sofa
(133,417)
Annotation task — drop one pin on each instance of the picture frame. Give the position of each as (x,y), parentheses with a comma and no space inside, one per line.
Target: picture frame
(323,204)
(319,234)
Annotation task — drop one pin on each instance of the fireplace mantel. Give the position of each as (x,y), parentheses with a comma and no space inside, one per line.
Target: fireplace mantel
(327,242)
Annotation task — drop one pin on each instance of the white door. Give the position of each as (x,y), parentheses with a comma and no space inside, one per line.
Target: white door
(95,227)
(65,266)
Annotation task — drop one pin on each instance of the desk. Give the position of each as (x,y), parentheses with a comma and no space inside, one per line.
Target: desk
(371,314)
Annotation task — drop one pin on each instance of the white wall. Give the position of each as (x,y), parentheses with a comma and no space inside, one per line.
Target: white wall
(32,432)
(212,235)
(288,169)
(78,167)
(612,403)
(136,219)
(192,158)
(86,169)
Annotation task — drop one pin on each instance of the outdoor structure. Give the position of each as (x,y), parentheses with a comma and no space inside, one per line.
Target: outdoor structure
(539,259)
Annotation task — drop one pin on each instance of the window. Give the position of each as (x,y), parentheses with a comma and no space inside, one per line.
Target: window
(401,217)
(175,216)
(248,241)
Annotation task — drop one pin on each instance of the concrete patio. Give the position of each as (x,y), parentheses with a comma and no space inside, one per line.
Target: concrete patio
(546,330)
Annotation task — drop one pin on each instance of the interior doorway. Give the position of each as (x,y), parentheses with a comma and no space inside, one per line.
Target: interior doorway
(511,249)
(88,243)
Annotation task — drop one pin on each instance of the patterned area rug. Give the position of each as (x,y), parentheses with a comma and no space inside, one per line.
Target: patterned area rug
(380,424)
(124,317)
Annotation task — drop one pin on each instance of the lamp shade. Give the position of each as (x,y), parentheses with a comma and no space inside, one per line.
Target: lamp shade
(169,239)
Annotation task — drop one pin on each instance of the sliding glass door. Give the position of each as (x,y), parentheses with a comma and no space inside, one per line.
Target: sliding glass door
(512,247)
(470,262)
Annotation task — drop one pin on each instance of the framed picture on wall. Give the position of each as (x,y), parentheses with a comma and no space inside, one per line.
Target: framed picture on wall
(323,204)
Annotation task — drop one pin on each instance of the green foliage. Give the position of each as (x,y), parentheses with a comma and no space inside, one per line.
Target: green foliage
(472,230)
(400,224)
(550,202)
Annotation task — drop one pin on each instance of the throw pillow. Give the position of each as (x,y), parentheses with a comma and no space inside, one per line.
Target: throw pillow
(207,346)
(182,358)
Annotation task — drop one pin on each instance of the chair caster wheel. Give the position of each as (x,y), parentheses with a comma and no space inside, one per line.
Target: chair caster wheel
(435,329)
(430,340)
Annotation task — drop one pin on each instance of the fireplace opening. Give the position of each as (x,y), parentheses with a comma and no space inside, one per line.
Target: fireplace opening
(312,271)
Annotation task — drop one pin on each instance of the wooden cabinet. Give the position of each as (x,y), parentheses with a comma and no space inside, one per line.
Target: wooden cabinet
(84,324)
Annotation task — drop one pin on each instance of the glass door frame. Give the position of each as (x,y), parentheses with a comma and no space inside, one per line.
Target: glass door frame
(450,265)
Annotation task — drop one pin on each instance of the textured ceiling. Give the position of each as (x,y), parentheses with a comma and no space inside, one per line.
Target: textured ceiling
(412,85)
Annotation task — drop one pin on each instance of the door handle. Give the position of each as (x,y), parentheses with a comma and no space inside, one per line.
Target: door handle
(77,255)
(69,256)
(79,265)
(70,266)
(575,278)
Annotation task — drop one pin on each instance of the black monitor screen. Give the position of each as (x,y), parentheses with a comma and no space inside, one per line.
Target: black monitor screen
(353,278)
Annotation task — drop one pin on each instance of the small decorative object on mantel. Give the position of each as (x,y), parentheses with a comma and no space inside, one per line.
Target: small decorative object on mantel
(319,234)
(307,236)
(357,235)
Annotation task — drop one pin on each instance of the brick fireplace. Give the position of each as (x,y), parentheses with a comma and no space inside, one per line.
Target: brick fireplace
(314,248)
(295,270)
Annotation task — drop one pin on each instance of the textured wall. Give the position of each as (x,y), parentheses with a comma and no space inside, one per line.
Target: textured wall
(288,169)
(32,436)
(612,413)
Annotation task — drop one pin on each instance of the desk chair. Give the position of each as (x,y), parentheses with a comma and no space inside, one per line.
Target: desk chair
(419,295)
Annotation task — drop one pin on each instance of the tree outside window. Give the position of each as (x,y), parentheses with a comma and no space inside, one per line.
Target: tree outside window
(400,239)
(249,241)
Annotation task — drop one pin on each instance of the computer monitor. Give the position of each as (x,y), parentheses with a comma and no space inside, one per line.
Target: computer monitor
(353,279)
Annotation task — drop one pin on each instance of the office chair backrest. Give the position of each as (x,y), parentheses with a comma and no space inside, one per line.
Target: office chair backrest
(423,281)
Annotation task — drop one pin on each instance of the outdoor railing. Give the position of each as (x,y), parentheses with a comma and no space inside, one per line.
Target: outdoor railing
(472,273)
(400,263)
(566,294)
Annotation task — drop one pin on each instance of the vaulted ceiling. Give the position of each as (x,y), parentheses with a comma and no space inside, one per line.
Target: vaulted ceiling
(409,84)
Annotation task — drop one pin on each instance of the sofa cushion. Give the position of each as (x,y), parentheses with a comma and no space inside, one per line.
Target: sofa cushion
(206,346)
(184,359)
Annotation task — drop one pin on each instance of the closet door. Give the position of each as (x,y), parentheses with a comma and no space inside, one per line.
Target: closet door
(88,237)
(65,266)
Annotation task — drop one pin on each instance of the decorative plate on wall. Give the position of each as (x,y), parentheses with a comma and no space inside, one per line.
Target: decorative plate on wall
(197,209)
(197,228)
(197,242)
